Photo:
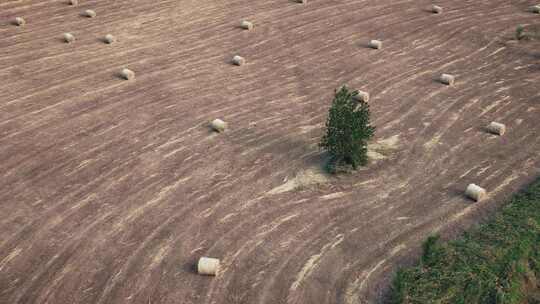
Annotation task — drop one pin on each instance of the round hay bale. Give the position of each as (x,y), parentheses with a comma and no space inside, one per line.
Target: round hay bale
(536,9)
(436,9)
(69,38)
(90,13)
(475,192)
(246,25)
(218,125)
(448,79)
(74,2)
(361,96)
(375,44)
(109,39)
(127,74)
(238,60)
(496,128)
(19,21)
(302,1)
(208,266)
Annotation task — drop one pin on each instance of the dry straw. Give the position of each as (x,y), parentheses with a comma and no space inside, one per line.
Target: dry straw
(436,9)
(448,79)
(496,128)
(218,125)
(375,44)
(127,74)
(362,96)
(19,21)
(90,13)
(238,60)
(475,192)
(109,39)
(208,266)
(69,38)
(246,25)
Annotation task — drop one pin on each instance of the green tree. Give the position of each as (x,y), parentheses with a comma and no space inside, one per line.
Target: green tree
(348,130)
(520,32)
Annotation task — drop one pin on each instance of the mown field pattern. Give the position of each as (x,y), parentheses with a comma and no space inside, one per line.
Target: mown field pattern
(110,189)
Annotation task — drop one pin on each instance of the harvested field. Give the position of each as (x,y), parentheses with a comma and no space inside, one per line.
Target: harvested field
(111,190)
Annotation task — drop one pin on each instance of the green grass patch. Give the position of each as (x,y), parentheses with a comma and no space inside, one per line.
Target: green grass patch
(497,262)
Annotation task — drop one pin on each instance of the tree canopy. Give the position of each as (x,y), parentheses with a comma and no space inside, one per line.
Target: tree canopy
(348,130)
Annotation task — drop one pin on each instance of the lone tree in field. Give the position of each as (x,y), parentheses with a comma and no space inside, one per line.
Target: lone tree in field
(520,32)
(348,130)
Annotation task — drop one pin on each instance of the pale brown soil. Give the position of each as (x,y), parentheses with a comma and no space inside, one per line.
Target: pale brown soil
(110,190)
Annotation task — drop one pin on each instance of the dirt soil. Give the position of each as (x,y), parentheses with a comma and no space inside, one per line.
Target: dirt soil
(110,190)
